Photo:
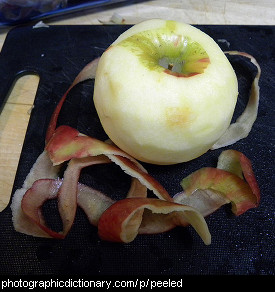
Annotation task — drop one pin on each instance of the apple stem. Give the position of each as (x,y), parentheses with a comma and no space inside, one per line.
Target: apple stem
(170,66)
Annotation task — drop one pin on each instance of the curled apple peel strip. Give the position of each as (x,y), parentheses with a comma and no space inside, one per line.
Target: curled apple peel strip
(115,225)
(93,202)
(206,201)
(88,72)
(243,125)
(66,192)
(42,169)
(226,180)
(237,163)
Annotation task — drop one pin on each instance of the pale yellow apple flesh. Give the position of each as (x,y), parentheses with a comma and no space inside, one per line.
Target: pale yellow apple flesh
(165,92)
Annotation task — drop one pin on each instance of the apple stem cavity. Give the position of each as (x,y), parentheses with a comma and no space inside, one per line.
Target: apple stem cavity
(159,49)
(171,65)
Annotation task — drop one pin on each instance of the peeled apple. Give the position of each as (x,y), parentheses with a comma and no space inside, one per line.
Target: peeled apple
(165,92)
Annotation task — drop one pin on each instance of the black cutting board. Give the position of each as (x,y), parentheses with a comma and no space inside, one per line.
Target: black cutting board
(240,245)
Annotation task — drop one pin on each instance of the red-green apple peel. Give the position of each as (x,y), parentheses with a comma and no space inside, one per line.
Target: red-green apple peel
(165,92)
